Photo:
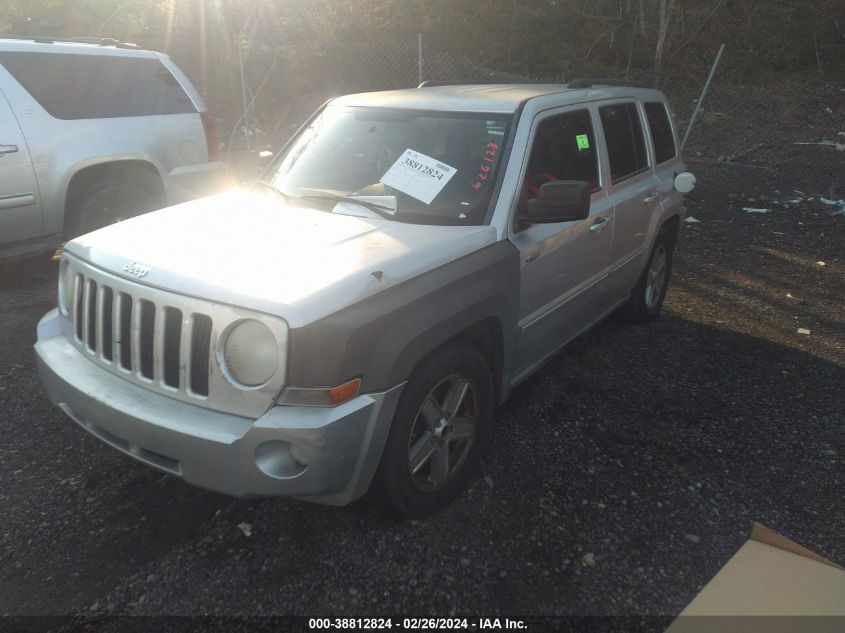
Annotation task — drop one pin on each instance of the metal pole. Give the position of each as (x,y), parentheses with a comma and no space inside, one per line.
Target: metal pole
(419,58)
(243,96)
(701,98)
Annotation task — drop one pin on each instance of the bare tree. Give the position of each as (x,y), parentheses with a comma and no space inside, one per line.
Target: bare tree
(665,16)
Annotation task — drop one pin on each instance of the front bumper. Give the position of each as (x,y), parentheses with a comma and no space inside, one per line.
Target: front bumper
(327,455)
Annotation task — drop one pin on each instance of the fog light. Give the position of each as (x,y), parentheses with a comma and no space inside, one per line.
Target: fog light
(278,459)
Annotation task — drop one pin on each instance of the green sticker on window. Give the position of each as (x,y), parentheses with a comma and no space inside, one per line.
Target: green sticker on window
(583,141)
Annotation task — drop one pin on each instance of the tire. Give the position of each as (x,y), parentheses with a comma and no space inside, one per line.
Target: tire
(111,201)
(648,295)
(453,443)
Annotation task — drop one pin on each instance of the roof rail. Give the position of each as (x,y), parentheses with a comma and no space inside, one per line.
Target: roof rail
(589,83)
(98,41)
(433,83)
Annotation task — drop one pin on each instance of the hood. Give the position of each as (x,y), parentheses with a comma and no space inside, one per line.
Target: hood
(250,249)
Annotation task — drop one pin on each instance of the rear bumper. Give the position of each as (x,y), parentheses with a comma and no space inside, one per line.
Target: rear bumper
(195,181)
(327,455)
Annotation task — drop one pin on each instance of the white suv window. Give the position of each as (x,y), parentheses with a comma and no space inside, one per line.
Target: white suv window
(661,132)
(76,86)
(564,149)
(623,134)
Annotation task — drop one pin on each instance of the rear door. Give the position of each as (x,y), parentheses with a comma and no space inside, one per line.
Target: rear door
(633,190)
(20,206)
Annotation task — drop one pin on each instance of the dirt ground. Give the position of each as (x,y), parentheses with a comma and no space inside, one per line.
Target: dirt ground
(652,448)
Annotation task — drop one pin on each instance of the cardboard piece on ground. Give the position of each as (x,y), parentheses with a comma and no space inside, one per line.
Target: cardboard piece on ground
(770,576)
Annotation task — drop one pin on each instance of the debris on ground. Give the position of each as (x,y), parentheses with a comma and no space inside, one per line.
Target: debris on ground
(588,560)
(692,220)
(755,210)
(821,263)
(246,528)
(693,538)
(803,330)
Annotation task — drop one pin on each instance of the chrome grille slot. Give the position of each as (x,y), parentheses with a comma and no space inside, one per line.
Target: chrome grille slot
(200,338)
(146,342)
(162,341)
(124,330)
(172,345)
(106,311)
(91,315)
(78,305)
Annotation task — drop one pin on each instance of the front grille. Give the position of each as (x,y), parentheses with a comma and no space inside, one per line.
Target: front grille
(163,341)
(144,336)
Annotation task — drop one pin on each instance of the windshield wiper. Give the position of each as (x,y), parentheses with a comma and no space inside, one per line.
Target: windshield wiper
(274,189)
(389,213)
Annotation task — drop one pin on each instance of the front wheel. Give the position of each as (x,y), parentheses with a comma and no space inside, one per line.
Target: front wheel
(647,297)
(440,426)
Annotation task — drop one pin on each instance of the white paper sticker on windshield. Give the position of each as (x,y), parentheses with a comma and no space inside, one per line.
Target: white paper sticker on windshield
(419,176)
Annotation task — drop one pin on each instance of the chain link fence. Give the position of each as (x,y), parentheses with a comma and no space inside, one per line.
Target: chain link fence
(775,142)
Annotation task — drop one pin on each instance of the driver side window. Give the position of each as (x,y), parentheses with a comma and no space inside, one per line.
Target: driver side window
(564,149)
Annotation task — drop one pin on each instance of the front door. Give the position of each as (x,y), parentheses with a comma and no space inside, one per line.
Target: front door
(563,265)
(20,208)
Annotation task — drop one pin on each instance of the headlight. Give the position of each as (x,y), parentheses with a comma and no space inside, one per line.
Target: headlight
(250,353)
(65,287)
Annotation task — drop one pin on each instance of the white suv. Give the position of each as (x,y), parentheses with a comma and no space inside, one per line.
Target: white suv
(92,133)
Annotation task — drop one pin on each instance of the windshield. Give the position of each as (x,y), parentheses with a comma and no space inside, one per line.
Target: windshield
(413,166)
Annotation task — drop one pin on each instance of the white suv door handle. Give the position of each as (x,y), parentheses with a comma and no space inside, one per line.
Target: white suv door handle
(651,197)
(8,149)
(599,224)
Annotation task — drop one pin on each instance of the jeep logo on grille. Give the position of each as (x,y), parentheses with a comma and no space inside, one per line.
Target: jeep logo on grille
(139,270)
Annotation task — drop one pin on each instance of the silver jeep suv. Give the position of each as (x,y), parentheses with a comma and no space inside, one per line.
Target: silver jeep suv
(352,321)
(92,133)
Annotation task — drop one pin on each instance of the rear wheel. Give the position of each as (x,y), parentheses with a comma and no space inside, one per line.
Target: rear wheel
(440,426)
(111,201)
(648,295)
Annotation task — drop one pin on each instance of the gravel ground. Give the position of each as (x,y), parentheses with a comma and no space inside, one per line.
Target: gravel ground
(621,477)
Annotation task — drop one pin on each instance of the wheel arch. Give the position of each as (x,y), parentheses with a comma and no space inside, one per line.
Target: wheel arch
(85,176)
(486,335)
(672,226)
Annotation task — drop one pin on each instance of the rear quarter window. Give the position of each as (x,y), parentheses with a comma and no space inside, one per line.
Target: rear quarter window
(623,135)
(661,132)
(78,86)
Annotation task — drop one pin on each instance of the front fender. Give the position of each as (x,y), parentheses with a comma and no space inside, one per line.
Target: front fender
(382,338)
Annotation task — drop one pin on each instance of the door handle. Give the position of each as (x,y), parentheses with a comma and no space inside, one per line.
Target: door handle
(651,197)
(599,224)
(531,257)
(8,149)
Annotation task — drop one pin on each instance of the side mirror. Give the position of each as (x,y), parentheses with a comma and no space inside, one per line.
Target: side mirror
(558,201)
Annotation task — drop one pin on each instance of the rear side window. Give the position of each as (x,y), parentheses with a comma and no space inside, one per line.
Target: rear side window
(564,149)
(661,132)
(97,86)
(623,134)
